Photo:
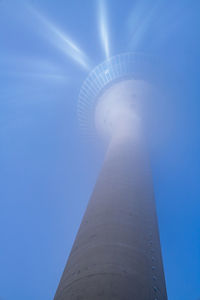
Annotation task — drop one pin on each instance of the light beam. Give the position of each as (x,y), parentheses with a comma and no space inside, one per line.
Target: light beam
(31,68)
(62,41)
(139,22)
(103,26)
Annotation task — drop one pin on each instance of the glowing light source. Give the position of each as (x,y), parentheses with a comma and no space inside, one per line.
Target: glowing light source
(63,42)
(118,108)
(104,28)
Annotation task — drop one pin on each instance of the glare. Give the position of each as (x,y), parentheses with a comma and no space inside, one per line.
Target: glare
(63,41)
(118,108)
(104,27)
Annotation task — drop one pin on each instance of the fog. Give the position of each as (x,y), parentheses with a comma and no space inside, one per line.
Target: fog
(48,166)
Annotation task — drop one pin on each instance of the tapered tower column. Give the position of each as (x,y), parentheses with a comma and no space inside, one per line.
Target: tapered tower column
(116,254)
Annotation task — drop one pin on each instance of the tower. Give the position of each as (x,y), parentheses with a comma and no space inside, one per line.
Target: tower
(116,254)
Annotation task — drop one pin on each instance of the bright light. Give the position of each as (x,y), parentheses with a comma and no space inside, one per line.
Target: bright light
(118,110)
(63,42)
(104,27)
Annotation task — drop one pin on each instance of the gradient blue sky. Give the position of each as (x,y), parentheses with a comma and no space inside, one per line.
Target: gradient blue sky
(47,171)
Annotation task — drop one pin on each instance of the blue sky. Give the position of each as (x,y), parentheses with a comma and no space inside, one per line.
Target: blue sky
(47,170)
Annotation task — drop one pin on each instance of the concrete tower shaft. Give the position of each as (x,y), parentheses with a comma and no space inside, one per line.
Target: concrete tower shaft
(116,254)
